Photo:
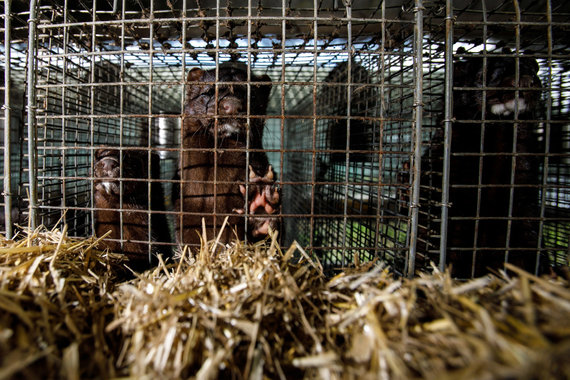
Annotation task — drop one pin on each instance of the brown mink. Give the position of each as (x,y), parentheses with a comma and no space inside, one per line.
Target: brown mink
(138,230)
(214,165)
(485,135)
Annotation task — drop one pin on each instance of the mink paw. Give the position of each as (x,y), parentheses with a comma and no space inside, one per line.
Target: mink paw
(264,203)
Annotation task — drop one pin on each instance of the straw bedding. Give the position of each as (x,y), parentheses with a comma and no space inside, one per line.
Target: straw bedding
(257,311)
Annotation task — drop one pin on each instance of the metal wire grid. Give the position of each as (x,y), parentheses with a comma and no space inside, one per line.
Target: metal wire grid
(349,178)
(11,119)
(538,30)
(103,81)
(556,195)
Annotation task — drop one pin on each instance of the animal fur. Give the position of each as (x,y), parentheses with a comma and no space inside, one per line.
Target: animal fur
(214,161)
(135,224)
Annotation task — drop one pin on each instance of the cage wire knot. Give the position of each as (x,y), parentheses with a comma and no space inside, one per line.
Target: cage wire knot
(418,8)
(414,204)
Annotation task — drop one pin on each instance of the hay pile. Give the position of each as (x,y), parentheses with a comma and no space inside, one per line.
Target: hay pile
(253,312)
(55,302)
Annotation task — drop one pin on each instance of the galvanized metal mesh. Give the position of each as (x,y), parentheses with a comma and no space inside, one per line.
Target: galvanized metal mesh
(356,128)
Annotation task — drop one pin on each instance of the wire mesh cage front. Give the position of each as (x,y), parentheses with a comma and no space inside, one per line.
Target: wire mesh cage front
(397,130)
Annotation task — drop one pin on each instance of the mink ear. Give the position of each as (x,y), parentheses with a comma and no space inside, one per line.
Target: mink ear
(195,74)
(460,67)
(193,89)
(461,50)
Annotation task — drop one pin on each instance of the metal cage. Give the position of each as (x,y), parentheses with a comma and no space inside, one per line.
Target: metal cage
(363,127)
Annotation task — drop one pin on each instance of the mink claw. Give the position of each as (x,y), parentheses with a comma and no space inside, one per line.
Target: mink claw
(269,175)
(252,174)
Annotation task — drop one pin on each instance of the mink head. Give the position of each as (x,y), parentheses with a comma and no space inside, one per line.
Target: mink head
(498,80)
(107,170)
(219,107)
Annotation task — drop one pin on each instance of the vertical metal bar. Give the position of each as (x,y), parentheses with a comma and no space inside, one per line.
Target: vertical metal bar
(380,210)
(32,127)
(149,134)
(248,114)
(282,100)
(515,130)
(64,111)
(547,126)
(185,45)
(417,128)
(92,139)
(92,120)
(348,117)
(7,122)
(314,129)
(448,121)
(121,118)
(216,126)
(483,121)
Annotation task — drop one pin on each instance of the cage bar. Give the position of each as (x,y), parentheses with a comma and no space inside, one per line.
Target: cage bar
(7,122)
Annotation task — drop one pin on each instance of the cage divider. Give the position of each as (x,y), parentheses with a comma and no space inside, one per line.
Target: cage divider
(282,104)
(7,191)
(63,121)
(515,132)
(248,124)
(417,128)
(448,121)
(348,89)
(379,209)
(547,136)
(484,126)
(149,121)
(121,123)
(32,130)
(91,135)
(314,128)
(217,122)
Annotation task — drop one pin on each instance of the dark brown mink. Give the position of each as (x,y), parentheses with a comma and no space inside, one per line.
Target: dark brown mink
(213,165)
(502,135)
(135,205)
